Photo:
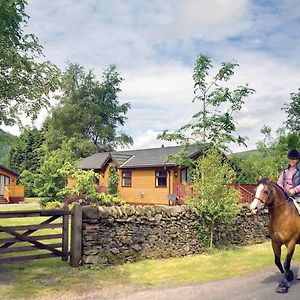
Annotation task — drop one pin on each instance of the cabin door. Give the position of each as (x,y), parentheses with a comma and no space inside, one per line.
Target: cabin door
(4,180)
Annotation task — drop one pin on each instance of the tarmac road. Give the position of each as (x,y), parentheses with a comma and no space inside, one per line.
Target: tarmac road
(258,286)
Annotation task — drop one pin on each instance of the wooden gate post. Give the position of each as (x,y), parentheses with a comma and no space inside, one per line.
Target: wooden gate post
(76,236)
(65,239)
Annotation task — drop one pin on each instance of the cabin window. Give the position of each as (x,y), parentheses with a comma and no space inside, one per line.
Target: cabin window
(185,175)
(126,178)
(161,178)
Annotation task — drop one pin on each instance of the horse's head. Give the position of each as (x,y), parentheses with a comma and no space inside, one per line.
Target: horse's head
(262,195)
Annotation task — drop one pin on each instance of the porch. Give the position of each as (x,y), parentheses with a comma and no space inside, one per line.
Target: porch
(12,194)
(185,190)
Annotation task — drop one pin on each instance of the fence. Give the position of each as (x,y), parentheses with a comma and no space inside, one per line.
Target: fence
(12,235)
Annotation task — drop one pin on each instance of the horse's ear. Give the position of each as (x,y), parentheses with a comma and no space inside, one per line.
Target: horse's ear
(260,178)
(271,179)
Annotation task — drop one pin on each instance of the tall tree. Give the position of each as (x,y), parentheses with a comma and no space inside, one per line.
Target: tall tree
(293,112)
(27,153)
(89,110)
(214,123)
(25,84)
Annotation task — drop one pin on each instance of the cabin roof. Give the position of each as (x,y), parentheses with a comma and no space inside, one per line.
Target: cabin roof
(9,170)
(143,158)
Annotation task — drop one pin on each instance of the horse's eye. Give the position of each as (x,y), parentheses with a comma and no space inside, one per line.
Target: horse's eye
(266,192)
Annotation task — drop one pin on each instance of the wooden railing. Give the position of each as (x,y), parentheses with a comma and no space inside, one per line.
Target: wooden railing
(246,192)
(185,190)
(14,193)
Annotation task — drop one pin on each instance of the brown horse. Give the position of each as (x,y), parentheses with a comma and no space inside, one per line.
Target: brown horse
(284,225)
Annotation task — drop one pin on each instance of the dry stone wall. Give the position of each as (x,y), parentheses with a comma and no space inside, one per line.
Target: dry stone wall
(113,235)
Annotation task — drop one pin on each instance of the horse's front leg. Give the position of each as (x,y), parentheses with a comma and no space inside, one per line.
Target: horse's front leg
(277,254)
(287,263)
(288,274)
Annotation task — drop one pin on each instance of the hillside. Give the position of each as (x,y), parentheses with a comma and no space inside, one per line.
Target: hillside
(6,141)
(245,154)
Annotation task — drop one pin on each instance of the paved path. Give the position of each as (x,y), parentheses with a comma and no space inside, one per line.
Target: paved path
(258,286)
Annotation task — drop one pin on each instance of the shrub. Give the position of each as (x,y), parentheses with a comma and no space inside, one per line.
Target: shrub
(216,202)
(113,181)
(53,205)
(85,190)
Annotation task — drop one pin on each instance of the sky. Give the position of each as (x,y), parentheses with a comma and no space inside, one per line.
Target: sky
(155,43)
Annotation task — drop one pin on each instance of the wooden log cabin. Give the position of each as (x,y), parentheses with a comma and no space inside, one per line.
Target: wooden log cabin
(145,176)
(10,191)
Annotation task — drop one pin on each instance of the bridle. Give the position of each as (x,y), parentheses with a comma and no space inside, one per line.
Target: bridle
(264,203)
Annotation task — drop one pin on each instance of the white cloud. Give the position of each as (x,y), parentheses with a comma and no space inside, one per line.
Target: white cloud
(211,20)
(149,140)
(154,45)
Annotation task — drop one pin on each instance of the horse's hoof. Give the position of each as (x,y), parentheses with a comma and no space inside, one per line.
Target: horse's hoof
(290,275)
(282,289)
(298,276)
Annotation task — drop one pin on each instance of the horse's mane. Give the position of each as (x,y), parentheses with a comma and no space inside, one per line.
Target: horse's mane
(263,180)
(282,189)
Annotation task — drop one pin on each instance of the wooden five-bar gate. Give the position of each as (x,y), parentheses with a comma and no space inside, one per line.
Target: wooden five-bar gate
(11,235)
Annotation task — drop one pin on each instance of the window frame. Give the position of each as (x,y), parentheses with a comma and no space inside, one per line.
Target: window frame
(126,177)
(157,177)
(185,175)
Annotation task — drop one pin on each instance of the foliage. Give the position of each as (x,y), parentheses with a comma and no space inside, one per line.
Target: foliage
(7,141)
(293,112)
(52,175)
(86,188)
(53,205)
(88,112)
(28,179)
(113,181)
(25,84)
(85,184)
(270,158)
(26,154)
(216,202)
(214,123)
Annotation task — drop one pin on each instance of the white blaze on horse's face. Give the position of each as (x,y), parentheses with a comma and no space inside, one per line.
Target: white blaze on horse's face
(256,205)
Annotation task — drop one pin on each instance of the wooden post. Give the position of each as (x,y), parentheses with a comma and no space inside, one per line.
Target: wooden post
(76,236)
(65,238)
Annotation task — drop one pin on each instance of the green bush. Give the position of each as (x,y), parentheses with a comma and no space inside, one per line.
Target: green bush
(104,199)
(113,181)
(53,205)
(216,202)
(86,188)
(44,201)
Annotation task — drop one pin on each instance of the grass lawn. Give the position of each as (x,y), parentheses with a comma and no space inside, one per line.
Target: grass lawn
(48,277)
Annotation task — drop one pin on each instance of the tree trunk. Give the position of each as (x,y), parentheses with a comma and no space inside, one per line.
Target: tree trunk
(211,234)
